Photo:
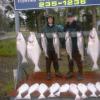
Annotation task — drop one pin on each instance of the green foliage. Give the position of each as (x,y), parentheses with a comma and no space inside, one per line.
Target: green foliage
(8,48)
(5,23)
(34,19)
(30,20)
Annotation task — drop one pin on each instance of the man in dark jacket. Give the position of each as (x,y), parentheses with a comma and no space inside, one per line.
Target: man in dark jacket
(49,29)
(73,27)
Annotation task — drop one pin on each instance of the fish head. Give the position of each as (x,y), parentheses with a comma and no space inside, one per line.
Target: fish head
(42,35)
(24,87)
(73,88)
(55,35)
(79,34)
(66,85)
(33,87)
(82,86)
(32,37)
(73,85)
(33,34)
(43,87)
(93,34)
(90,85)
(56,85)
(97,85)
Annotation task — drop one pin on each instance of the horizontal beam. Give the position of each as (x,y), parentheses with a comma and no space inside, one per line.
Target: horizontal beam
(46,4)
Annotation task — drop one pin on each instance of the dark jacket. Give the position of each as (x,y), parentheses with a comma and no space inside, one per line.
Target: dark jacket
(49,30)
(73,28)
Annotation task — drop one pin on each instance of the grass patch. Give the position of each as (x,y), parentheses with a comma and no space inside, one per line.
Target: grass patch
(8,48)
(7,89)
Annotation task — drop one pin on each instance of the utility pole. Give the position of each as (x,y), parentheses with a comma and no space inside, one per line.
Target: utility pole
(94,16)
(17,29)
(17,24)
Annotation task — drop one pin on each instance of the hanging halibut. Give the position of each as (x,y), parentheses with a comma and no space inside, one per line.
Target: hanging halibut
(33,51)
(80,45)
(93,48)
(56,44)
(68,44)
(44,43)
(21,46)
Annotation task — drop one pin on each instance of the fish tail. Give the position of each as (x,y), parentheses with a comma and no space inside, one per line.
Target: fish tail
(18,96)
(58,55)
(84,96)
(70,57)
(82,57)
(46,54)
(24,60)
(41,96)
(77,97)
(93,95)
(58,93)
(52,95)
(95,67)
(27,96)
(37,69)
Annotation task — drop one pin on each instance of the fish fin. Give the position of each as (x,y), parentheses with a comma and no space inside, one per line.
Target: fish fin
(95,67)
(37,69)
